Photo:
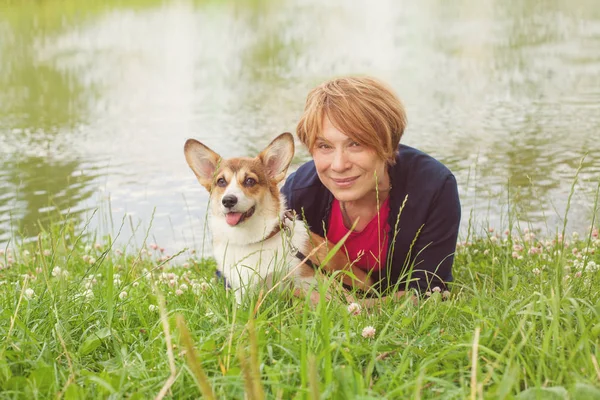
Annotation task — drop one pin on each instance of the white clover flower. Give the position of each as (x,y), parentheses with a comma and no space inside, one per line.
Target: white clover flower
(446,294)
(135,284)
(88,294)
(123,295)
(200,287)
(179,292)
(517,247)
(436,289)
(29,293)
(354,308)
(486,252)
(46,252)
(578,274)
(536,271)
(56,271)
(369,332)
(97,246)
(183,287)
(92,260)
(152,308)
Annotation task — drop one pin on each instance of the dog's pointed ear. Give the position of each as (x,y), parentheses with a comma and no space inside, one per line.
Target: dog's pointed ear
(202,160)
(278,156)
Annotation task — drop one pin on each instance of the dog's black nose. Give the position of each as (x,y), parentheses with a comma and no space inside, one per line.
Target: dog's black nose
(229,201)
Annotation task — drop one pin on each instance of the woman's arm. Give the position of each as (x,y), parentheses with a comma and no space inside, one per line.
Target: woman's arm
(433,252)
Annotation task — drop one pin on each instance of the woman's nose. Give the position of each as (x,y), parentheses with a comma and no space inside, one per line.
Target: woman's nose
(340,161)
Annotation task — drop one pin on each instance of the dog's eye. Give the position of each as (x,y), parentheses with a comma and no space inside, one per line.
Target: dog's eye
(221,182)
(249,182)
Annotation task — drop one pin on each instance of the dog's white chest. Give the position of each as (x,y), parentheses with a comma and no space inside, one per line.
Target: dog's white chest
(252,264)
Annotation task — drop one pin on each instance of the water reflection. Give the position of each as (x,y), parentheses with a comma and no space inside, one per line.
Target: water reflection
(100,99)
(38,190)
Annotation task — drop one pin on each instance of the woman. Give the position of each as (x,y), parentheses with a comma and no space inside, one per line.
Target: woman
(401,204)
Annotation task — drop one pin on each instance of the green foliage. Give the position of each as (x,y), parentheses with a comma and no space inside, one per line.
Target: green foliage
(82,319)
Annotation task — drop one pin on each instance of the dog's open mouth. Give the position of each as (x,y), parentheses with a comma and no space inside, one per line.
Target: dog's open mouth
(236,218)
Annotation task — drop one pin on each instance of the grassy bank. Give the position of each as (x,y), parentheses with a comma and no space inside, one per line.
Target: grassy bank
(82,319)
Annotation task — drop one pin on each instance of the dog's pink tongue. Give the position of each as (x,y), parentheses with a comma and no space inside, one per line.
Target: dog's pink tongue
(233,218)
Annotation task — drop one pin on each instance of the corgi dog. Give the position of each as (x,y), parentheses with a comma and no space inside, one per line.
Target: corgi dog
(255,239)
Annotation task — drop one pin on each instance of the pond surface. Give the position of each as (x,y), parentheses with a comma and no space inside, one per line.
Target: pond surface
(96,103)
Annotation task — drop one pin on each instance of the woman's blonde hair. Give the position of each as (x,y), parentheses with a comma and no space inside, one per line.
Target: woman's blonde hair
(363,108)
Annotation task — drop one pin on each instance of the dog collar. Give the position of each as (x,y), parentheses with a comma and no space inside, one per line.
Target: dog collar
(287,215)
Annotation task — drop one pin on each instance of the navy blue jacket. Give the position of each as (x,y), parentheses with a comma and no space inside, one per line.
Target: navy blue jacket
(425,228)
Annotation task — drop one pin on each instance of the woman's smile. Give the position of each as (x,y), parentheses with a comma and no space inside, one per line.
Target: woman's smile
(344,182)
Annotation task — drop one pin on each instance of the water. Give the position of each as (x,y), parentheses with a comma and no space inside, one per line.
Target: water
(97,101)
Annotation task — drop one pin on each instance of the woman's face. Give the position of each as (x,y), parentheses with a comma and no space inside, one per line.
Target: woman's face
(349,170)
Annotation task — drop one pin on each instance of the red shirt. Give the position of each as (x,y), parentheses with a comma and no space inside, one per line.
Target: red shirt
(369,246)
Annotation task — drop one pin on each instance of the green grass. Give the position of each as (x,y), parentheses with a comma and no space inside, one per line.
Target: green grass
(522,321)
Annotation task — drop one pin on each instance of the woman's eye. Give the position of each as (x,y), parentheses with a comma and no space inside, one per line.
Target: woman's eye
(249,182)
(221,182)
(323,146)
(354,144)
